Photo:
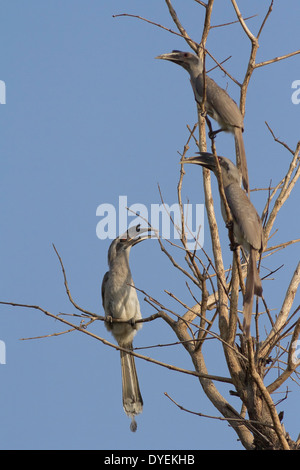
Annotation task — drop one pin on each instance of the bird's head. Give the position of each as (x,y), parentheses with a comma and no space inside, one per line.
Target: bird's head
(125,242)
(187,60)
(230,173)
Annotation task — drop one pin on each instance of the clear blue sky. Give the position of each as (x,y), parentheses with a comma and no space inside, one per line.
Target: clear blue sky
(89,116)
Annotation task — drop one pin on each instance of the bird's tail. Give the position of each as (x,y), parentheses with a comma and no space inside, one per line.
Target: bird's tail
(253,287)
(241,160)
(132,398)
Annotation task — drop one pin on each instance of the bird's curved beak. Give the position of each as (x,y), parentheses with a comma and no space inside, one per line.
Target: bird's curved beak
(163,56)
(204,159)
(174,56)
(135,235)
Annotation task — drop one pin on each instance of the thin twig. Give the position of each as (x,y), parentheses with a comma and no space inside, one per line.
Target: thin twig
(191,42)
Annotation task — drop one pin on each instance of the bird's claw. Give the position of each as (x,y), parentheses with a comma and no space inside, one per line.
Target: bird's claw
(212,135)
(233,246)
(109,319)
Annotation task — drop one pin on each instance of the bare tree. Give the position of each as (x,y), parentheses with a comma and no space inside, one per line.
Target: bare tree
(257,424)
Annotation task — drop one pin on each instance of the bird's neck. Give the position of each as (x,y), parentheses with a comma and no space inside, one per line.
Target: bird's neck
(196,70)
(120,269)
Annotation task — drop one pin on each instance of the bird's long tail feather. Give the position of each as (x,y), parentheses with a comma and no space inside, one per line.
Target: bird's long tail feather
(253,287)
(241,160)
(132,398)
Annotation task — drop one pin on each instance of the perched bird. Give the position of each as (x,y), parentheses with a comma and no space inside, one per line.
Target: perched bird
(247,226)
(120,301)
(218,104)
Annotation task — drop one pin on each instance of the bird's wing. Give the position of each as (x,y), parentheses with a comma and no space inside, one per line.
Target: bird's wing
(220,105)
(104,281)
(245,216)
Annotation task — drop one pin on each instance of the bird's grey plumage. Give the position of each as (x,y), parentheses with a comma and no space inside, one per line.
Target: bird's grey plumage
(247,227)
(219,105)
(120,301)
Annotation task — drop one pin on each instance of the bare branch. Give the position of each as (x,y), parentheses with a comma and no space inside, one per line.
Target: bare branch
(207,19)
(119,348)
(242,22)
(181,29)
(191,43)
(231,22)
(265,19)
(201,3)
(284,312)
(67,287)
(286,188)
(278,140)
(281,246)
(292,363)
(268,400)
(276,59)
(239,418)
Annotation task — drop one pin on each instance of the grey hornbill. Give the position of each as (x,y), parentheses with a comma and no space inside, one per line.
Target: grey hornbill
(247,227)
(120,301)
(218,104)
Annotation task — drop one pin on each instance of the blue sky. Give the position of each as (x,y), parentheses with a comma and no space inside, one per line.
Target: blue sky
(91,116)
